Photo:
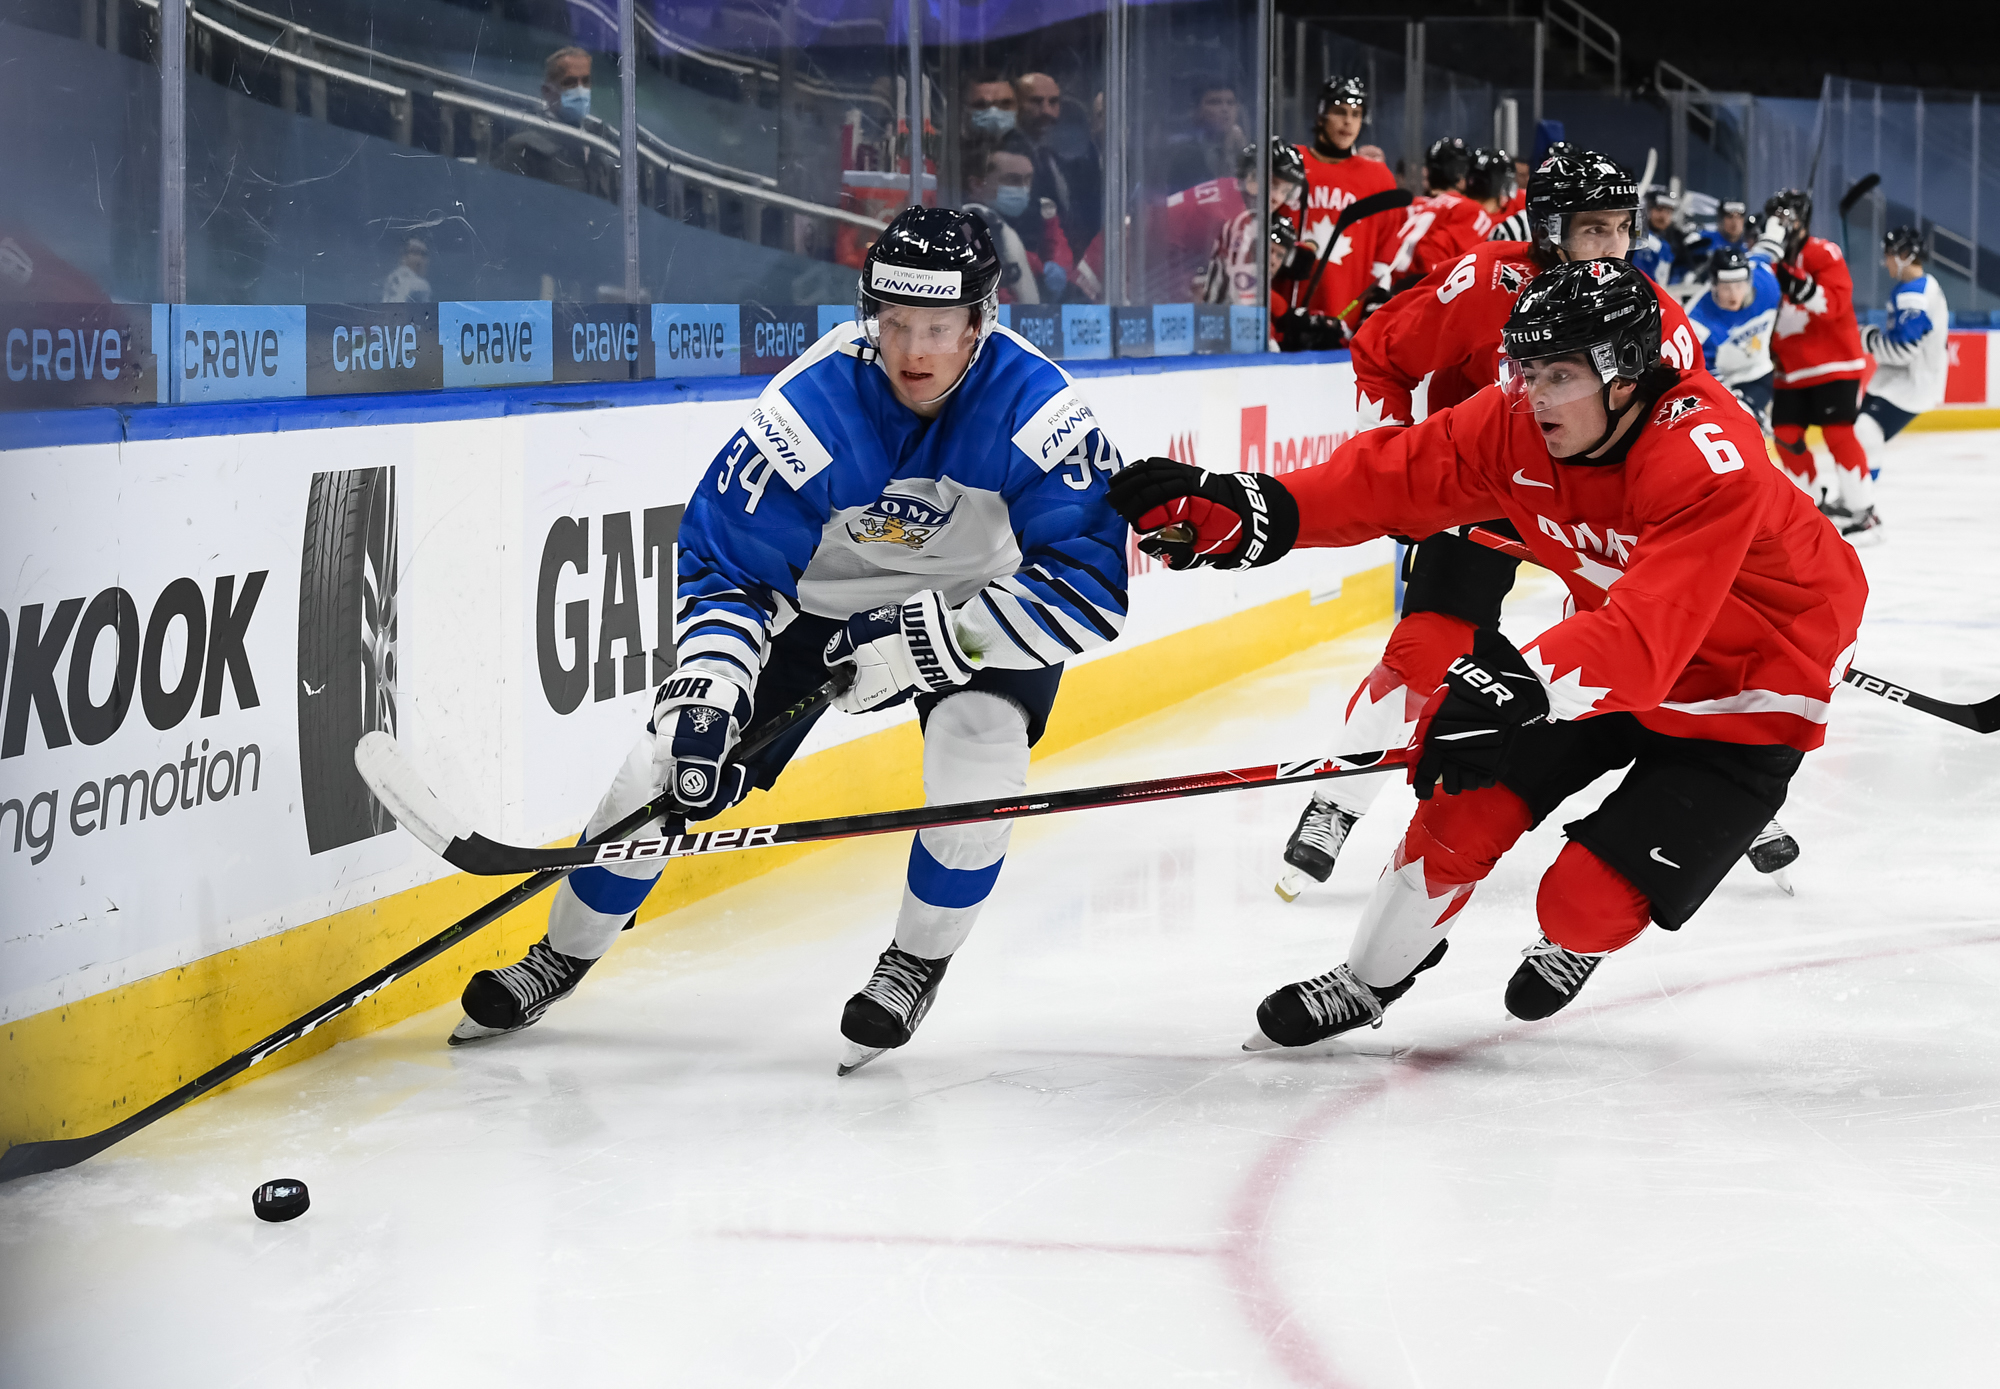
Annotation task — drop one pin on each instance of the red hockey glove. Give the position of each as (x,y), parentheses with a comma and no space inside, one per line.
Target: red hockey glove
(1191,518)
(1464,731)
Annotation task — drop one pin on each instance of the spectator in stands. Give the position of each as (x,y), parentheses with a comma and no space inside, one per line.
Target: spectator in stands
(1215,134)
(998,179)
(1039,101)
(540,153)
(990,109)
(409,282)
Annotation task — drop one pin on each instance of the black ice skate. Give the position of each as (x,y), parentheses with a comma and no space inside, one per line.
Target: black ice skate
(1861,528)
(885,1014)
(1772,852)
(1310,853)
(1335,1002)
(506,1000)
(1548,979)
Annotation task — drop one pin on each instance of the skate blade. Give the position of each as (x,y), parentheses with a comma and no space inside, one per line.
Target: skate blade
(1290,884)
(856,1057)
(1257,1041)
(1784,881)
(470,1031)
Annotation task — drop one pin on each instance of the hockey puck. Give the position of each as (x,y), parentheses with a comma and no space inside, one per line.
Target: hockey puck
(283,1199)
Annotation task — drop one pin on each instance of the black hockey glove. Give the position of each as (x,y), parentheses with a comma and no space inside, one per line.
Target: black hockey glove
(1795,283)
(1463,735)
(1311,332)
(697,716)
(1191,518)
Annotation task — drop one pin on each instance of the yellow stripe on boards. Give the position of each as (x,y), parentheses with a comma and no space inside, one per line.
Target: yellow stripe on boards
(1957,417)
(84,1066)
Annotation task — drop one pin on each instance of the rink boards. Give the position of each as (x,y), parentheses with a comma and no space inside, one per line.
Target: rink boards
(198,627)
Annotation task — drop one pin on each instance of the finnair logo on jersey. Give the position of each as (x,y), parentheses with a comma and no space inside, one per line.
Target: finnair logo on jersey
(943,286)
(782,437)
(1057,428)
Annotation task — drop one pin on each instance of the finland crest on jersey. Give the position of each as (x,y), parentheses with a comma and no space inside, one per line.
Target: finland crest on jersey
(911,522)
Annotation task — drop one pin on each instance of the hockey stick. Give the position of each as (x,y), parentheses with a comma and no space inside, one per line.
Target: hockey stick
(1863,186)
(1388,200)
(28,1159)
(400,788)
(1983,717)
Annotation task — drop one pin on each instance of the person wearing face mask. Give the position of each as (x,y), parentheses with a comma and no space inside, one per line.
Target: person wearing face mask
(1035,257)
(551,154)
(991,109)
(916,507)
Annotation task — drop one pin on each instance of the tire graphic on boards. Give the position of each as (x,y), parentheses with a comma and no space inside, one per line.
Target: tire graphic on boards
(347,649)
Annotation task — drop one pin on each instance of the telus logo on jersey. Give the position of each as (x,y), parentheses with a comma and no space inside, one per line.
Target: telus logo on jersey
(907,521)
(940,286)
(1057,428)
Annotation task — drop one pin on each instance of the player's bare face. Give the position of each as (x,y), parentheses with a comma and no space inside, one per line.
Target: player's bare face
(1566,397)
(1730,224)
(1731,295)
(1341,125)
(925,352)
(1599,236)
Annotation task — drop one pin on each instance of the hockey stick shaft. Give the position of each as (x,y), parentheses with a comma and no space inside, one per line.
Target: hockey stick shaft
(1983,717)
(27,1159)
(1388,200)
(474,853)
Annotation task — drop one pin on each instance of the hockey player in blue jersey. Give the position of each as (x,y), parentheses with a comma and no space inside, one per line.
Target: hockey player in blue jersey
(1732,229)
(918,501)
(1659,242)
(1912,357)
(1734,318)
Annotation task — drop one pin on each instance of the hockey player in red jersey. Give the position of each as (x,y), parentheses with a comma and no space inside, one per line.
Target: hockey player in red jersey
(1429,348)
(1816,345)
(1714,611)
(1335,177)
(1232,273)
(1443,224)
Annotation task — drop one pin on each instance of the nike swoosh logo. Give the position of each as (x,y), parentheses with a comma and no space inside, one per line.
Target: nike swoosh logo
(1527,481)
(1659,857)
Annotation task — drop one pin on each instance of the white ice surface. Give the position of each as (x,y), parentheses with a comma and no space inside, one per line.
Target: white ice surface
(1762,1152)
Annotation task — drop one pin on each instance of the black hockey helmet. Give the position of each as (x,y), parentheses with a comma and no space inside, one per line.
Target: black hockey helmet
(1445,162)
(1490,174)
(1733,207)
(1287,164)
(1904,243)
(1566,184)
(1728,266)
(932,257)
(1343,91)
(1602,311)
(1657,196)
(1284,233)
(1794,207)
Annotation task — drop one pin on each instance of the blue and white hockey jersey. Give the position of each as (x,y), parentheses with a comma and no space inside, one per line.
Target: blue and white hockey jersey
(1737,345)
(833,498)
(1912,353)
(1651,253)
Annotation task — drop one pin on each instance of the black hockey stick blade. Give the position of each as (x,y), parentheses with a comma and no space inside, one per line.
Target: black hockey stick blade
(475,853)
(1863,186)
(1983,717)
(50,1155)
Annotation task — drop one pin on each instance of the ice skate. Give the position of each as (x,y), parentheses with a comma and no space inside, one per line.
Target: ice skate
(1862,529)
(1314,846)
(499,1001)
(1548,979)
(1313,1010)
(1772,852)
(887,1011)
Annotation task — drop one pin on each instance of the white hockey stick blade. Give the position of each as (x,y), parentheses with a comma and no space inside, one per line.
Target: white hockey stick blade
(1290,884)
(396,784)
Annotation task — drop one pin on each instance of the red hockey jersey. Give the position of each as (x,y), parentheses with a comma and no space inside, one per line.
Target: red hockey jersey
(1439,229)
(1436,343)
(1712,598)
(1819,340)
(1364,248)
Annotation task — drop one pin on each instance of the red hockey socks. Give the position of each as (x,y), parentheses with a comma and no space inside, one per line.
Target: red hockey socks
(1587,906)
(1794,454)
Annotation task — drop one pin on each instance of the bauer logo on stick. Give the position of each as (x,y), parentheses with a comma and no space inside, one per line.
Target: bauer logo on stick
(945,286)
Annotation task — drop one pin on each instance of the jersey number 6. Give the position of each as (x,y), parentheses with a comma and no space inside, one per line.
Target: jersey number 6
(1721,454)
